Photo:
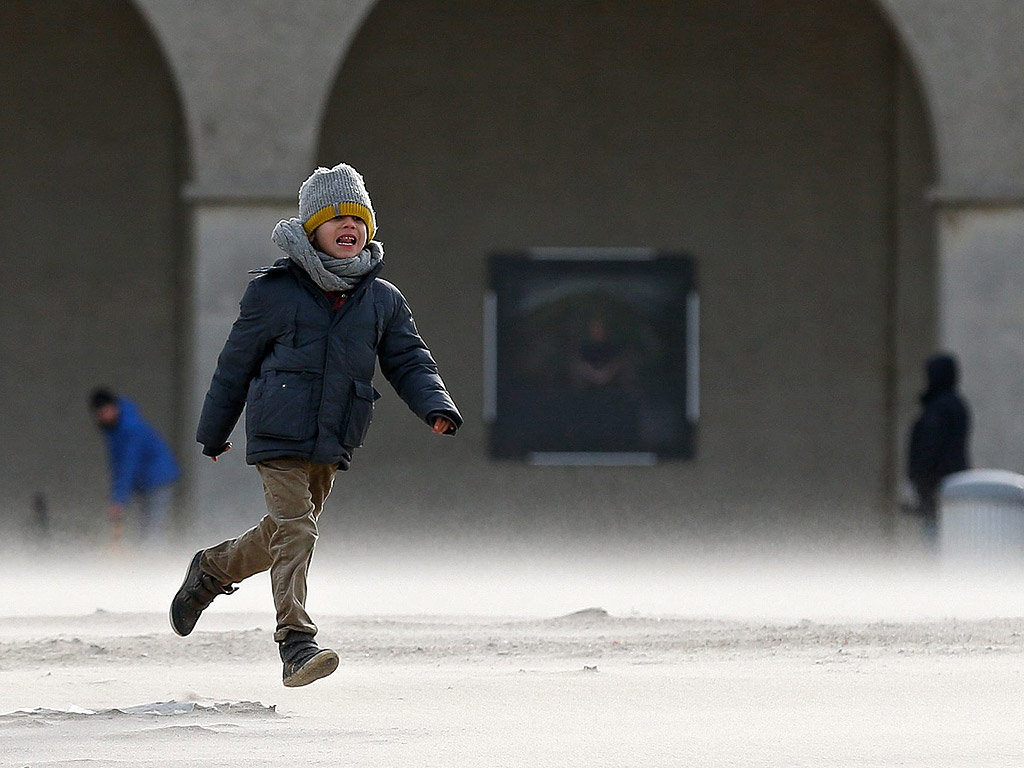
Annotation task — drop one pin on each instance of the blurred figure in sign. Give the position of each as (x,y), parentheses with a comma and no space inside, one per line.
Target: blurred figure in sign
(938,439)
(141,465)
(599,362)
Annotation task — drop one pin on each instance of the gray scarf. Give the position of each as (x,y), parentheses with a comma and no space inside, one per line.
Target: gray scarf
(329,273)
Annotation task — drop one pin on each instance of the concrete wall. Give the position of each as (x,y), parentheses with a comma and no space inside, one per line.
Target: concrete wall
(970,58)
(914,271)
(91,248)
(784,147)
(787,145)
(982,282)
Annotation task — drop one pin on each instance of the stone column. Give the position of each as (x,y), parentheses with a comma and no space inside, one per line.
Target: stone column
(970,58)
(230,237)
(981,320)
(253,79)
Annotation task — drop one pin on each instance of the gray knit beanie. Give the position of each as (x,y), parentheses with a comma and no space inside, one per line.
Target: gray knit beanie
(333,192)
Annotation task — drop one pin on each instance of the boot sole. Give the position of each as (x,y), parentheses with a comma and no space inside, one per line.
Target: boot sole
(321,665)
(193,563)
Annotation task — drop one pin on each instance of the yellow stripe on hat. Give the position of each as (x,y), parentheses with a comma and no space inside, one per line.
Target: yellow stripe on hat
(341,209)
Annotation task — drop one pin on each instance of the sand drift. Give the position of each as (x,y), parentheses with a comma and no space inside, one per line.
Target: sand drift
(482,661)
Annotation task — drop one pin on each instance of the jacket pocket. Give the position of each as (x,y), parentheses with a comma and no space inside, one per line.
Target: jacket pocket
(284,408)
(360,413)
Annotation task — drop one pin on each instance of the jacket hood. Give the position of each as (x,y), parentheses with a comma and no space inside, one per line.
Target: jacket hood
(128,415)
(943,376)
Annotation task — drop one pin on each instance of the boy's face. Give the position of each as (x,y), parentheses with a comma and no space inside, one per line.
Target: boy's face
(106,415)
(343,237)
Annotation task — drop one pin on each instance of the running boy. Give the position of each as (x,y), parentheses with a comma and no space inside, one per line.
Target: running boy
(300,358)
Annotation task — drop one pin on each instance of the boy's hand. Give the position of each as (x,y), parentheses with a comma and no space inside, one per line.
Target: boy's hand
(226,447)
(441,426)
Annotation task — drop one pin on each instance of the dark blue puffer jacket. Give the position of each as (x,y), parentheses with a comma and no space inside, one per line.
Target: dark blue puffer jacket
(304,372)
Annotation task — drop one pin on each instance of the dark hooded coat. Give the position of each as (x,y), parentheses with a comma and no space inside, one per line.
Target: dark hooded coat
(304,371)
(938,440)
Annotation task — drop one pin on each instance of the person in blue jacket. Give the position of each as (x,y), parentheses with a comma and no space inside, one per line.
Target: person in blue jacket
(300,360)
(141,464)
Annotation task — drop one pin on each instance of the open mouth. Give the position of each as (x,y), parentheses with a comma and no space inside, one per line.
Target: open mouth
(346,240)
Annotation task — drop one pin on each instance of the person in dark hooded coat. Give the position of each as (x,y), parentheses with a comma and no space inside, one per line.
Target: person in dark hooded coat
(939,437)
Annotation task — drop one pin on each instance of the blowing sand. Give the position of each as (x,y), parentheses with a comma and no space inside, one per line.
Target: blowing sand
(892,669)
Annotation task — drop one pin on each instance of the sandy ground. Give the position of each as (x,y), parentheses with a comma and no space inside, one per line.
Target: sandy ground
(737,668)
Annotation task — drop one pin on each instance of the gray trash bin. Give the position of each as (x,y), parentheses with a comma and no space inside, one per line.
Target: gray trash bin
(981,518)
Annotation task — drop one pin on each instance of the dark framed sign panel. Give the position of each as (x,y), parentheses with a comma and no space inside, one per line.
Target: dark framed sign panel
(592,356)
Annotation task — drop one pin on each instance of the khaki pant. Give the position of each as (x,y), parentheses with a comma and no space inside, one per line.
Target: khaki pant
(295,490)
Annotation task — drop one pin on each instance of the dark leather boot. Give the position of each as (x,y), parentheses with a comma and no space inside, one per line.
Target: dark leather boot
(305,661)
(194,596)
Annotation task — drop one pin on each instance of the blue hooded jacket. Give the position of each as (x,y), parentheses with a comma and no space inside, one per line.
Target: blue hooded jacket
(139,459)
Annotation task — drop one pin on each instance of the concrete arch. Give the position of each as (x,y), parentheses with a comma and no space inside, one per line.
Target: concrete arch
(970,62)
(783,147)
(915,61)
(93,247)
(254,80)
